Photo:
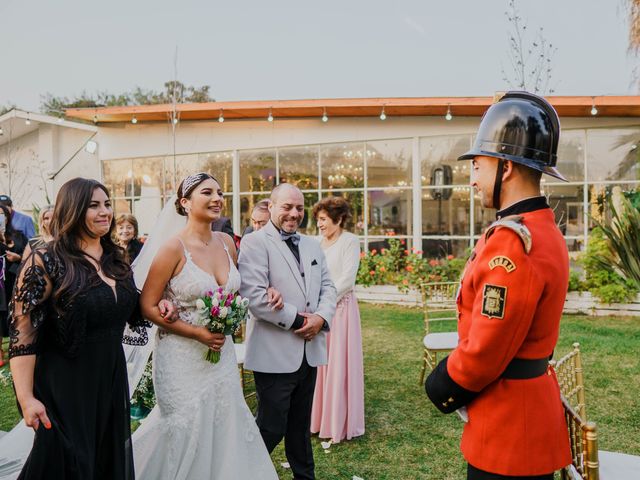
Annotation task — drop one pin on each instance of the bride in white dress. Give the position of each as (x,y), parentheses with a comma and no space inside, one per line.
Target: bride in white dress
(201,427)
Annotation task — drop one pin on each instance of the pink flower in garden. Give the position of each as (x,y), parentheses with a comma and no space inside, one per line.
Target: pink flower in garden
(419,252)
(362,254)
(433,262)
(374,251)
(449,257)
(402,242)
(405,282)
(409,268)
(406,252)
(382,269)
(383,251)
(372,273)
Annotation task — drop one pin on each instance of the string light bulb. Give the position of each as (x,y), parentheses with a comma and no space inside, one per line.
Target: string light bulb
(270,117)
(60,119)
(448,116)
(134,120)
(594,110)
(325,118)
(175,120)
(383,116)
(27,122)
(95,119)
(221,117)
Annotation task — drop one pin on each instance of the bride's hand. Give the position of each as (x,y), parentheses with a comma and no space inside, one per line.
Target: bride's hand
(214,341)
(274,297)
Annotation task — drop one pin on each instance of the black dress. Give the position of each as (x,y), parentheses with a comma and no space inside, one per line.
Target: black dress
(80,374)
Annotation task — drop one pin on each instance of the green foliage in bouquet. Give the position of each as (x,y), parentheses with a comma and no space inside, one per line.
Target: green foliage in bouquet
(406,269)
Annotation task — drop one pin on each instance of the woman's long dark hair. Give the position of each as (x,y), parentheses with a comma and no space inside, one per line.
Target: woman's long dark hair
(68,225)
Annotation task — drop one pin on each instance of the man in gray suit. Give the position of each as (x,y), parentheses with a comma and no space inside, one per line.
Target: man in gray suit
(286,346)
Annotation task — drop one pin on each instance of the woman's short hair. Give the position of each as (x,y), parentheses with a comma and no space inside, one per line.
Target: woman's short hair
(337,208)
(43,212)
(128,217)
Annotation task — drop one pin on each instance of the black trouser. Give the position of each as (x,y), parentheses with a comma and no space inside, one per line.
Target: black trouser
(284,410)
(474,473)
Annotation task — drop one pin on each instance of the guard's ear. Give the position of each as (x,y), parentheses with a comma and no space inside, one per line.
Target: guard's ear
(507,169)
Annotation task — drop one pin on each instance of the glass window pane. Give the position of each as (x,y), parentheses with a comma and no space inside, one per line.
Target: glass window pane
(117,175)
(121,205)
(444,151)
(613,154)
(389,163)
(147,177)
(603,197)
(227,208)
(247,202)
(356,202)
(446,211)
(308,225)
(567,203)
(220,165)
(146,211)
(389,212)
(342,165)
(439,248)
(257,170)
(570,156)
(170,178)
(185,166)
(299,166)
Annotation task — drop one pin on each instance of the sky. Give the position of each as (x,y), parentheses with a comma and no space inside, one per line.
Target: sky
(298,49)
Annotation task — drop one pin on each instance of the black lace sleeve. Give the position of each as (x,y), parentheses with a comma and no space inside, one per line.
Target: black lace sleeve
(136,333)
(27,309)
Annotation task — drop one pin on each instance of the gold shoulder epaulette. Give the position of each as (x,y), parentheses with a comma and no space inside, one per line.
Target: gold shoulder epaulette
(512,222)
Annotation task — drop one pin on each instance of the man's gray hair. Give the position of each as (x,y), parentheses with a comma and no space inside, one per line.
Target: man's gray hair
(262,206)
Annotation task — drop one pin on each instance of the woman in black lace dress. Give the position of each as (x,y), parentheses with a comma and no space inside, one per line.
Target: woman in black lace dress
(70,306)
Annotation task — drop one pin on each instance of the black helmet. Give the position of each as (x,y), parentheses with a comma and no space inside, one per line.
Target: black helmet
(521,127)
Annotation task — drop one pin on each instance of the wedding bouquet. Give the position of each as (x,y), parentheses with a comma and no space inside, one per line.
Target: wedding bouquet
(221,312)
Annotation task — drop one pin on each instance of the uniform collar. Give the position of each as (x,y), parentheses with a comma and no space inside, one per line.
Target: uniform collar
(523,206)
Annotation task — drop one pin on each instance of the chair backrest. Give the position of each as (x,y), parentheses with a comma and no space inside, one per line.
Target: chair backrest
(438,302)
(571,380)
(583,438)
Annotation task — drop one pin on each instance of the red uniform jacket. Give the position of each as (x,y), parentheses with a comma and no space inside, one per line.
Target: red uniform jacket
(509,306)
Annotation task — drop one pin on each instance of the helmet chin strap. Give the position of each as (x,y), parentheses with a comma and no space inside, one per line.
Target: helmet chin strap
(497,185)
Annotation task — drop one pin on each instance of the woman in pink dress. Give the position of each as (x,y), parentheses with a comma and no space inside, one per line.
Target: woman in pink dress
(338,401)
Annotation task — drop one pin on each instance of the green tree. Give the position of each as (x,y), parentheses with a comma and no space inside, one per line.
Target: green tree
(173,91)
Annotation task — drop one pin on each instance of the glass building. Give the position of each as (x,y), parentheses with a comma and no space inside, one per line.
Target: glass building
(410,188)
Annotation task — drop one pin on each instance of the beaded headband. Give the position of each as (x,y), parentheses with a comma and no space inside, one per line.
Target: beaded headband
(192,181)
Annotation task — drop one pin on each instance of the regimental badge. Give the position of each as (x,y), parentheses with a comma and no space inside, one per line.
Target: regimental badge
(494,300)
(502,261)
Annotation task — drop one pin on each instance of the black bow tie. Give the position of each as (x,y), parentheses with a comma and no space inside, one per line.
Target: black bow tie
(294,237)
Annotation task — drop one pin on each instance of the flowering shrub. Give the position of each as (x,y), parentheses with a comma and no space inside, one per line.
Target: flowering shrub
(406,269)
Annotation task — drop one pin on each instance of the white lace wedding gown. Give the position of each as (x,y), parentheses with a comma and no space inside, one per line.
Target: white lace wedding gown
(201,427)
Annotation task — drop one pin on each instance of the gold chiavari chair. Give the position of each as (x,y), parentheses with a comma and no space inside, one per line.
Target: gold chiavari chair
(438,304)
(571,380)
(587,461)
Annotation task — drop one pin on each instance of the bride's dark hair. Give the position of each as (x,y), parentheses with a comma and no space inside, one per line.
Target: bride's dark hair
(68,225)
(187,186)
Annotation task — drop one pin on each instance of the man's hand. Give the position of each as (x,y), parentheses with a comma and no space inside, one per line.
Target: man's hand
(312,325)
(274,297)
(168,310)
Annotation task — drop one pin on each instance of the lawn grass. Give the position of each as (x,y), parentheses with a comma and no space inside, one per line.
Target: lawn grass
(407,438)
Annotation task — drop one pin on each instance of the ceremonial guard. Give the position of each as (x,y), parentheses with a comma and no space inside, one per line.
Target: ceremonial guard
(510,303)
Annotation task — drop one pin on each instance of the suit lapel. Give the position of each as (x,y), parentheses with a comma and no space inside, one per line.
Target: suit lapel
(274,236)
(305,259)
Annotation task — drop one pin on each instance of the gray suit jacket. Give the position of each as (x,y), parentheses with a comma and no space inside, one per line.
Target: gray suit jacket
(266,261)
